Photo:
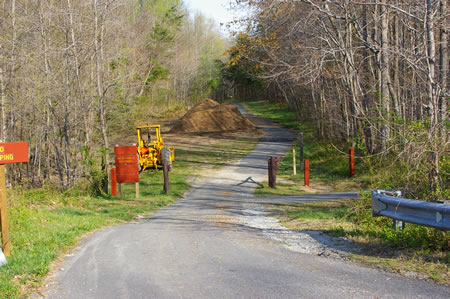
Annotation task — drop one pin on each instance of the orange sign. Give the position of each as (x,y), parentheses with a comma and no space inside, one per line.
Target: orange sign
(13,152)
(127,170)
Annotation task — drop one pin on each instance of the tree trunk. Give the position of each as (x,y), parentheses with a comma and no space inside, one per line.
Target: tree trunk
(431,60)
(443,61)
(98,43)
(384,68)
(432,104)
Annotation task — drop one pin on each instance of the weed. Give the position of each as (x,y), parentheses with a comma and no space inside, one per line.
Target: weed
(94,170)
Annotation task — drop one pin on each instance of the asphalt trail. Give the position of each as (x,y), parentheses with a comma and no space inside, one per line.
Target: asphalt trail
(198,247)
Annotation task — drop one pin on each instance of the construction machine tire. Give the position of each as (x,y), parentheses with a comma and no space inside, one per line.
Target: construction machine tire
(165,156)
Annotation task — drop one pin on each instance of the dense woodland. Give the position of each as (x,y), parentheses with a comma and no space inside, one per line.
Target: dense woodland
(373,74)
(72,73)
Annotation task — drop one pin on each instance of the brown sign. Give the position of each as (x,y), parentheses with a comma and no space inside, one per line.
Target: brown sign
(13,152)
(127,169)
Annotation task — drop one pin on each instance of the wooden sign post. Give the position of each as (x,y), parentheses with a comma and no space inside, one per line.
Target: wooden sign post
(6,247)
(14,152)
(127,169)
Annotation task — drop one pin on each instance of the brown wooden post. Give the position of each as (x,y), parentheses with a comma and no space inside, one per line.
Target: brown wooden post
(274,171)
(166,177)
(113,182)
(306,172)
(351,153)
(293,161)
(137,190)
(273,168)
(120,190)
(269,172)
(6,246)
(272,174)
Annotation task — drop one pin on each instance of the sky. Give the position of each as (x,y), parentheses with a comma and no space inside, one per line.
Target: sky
(215,9)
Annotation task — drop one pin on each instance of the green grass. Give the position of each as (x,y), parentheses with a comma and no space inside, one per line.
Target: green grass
(44,223)
(278,113)
(263,190)
(318,210)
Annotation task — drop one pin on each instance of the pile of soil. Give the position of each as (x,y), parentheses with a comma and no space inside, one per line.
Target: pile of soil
(210,116)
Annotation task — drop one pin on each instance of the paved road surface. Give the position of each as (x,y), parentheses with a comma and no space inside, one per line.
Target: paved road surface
(200,247)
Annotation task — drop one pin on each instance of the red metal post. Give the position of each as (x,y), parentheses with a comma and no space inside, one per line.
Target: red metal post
(306,172)
(113,182)
(351,153)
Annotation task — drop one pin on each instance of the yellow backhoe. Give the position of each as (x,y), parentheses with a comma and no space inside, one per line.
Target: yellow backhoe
(152,152)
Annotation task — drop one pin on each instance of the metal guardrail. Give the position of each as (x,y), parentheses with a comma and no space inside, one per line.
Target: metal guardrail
(430,214)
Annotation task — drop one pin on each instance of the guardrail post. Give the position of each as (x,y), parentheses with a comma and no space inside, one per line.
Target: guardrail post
(398,224)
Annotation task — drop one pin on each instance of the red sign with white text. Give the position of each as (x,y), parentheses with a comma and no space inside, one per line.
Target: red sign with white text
(127,169)
(13,152)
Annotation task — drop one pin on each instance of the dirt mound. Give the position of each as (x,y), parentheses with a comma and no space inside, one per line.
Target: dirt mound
(209,116)
(203,105)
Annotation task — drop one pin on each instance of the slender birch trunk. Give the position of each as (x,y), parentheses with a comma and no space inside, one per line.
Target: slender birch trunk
(443,61)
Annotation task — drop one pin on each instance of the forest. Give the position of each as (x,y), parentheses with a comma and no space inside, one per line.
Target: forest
(369,74)
(73,73)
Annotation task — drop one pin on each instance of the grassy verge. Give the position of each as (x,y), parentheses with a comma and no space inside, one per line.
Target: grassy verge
(328,162)
(44,223)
